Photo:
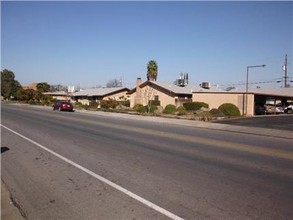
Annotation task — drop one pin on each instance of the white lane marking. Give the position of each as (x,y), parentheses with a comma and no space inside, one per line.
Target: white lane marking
(104,180)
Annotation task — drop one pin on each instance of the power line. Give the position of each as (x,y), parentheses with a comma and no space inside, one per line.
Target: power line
(276,80)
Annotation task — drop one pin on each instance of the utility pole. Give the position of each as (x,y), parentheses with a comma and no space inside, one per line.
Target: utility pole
(285,70)
(246,91)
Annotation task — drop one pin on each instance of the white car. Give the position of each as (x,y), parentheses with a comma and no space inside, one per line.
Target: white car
(272,109)
(289,109)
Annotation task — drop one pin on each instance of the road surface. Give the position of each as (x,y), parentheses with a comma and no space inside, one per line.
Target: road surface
(281,122)
(64,165)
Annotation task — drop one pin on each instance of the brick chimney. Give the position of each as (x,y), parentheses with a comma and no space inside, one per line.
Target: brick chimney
(138,96)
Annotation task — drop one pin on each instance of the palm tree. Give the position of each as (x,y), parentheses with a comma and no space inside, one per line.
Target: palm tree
(152,70)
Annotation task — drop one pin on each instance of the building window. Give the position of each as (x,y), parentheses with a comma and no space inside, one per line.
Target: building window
(156,98)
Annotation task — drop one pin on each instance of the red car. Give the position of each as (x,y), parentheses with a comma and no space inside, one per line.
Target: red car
(63,106)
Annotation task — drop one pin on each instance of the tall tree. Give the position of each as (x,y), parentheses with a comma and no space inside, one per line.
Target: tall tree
(25,94)
(43,87)
(9,86)
(114,83)
(152,70)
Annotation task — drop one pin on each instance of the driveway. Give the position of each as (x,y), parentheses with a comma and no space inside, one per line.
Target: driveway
(282,122)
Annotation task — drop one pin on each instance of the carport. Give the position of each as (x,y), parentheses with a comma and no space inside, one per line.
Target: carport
(256,98)
(279,97)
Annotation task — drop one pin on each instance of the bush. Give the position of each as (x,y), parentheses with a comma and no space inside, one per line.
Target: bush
(109,103)
(170,109)
(140,108)
(181,110)
(93,105)
(159,110)
(78,104)
(216,112)
(194,106)
(153,108)
(229,109)
(204,116)
(25,95)
(47,100)
(86,107)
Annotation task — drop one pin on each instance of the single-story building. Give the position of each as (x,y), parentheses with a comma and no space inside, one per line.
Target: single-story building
(59,95)
(86,96)
(165,93)
(246,102)
(177,94)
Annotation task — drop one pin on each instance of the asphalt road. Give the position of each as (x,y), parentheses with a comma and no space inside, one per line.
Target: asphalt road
(60,165)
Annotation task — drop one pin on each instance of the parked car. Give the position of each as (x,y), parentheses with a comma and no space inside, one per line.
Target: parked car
(260,110)
(289,109)
(274,109)
(279,109)
(63,106)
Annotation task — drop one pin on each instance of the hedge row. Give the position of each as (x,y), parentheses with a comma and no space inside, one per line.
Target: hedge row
(226,109)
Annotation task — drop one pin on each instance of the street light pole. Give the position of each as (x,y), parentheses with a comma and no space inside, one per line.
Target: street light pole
(246,90)
(285,70)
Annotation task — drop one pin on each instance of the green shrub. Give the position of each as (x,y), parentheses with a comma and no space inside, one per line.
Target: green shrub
(79,105)
(86,107)
(194,106)
(170,109)
(229,109)
(153,108)
(140,108)
(181,110)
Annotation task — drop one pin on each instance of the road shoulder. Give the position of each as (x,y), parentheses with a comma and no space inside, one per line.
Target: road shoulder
(8,209)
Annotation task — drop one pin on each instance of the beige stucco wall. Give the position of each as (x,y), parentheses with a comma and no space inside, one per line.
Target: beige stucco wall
(166,99)
(216,99)
(131,98)
(148,93)
(121,96)
(84,101)
(61,98)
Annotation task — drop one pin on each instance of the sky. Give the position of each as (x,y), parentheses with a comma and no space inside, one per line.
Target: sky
(90,43)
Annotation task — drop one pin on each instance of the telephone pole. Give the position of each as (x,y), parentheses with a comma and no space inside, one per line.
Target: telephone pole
(285,70)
